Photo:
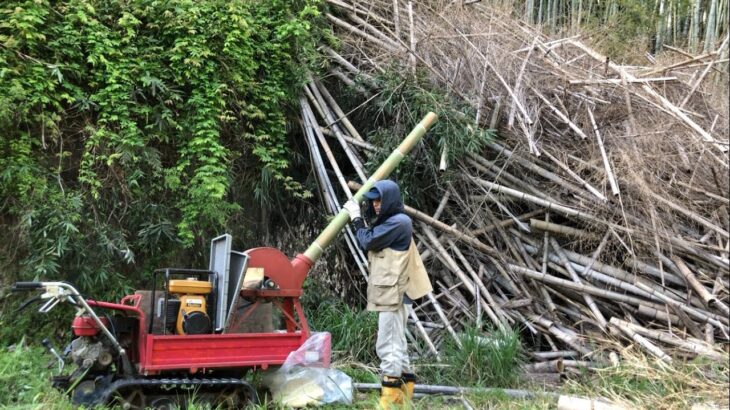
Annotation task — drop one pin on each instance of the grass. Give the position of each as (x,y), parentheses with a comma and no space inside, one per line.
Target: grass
(490,358)
(353,331)
(24,380)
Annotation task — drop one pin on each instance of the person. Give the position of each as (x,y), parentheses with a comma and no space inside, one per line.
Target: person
(397,276)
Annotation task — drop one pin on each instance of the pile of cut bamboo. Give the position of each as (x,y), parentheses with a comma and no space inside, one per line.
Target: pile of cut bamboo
(599,217)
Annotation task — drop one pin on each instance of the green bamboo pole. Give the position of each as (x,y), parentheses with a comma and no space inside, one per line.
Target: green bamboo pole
(333,229)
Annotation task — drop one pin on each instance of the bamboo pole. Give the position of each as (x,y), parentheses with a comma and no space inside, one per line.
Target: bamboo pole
(693,346)
(562,229)
(589,300)
(332,123)
(560,114)
(606,164)
(641,340)
(367,36)
(575,176)
(709,300)
(341,116)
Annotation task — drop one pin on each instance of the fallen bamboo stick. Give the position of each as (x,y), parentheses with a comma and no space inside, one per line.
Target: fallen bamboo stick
(641,340)
(606,164)
(562,229)
(709,300)
(450,390)
(563,354)
(693,346)
(552,366)
(589,300)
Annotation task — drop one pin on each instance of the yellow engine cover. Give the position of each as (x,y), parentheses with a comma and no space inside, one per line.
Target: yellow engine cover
(190,286)
(188,305)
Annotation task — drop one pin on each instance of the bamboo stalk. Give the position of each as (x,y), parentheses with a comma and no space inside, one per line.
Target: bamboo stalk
(614,81)
(336,129)
(691,215)
(341,116)
(709,300)
(589,300)
(562,229)
(575,176)
(560,114)
(641,340)
(554,354)
(367,36)
(552,366)
(694,346)
(606,164)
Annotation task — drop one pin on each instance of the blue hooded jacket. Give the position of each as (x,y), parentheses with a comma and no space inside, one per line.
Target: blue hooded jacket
(392,227)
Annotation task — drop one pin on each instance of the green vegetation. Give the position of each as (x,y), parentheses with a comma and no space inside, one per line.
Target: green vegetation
(485,359)
(353,331)
(24,379)
(135,130)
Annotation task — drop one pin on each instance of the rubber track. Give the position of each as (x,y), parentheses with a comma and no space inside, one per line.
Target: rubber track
(124,383)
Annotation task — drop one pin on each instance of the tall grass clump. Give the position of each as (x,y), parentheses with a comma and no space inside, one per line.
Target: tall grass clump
(485,359)
(353,331)
(25,380)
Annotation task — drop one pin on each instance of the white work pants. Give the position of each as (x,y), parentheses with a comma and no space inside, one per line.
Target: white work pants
(391,345)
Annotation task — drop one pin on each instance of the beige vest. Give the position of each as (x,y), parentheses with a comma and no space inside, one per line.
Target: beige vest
(393,273)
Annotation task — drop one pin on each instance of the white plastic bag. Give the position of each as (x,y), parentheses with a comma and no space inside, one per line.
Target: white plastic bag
(305,377)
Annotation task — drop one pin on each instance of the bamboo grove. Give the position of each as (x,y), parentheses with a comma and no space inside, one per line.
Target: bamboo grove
(694,24)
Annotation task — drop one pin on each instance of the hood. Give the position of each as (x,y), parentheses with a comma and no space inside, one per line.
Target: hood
(391,201)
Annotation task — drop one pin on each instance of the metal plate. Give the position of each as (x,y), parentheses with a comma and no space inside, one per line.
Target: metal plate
(220,259)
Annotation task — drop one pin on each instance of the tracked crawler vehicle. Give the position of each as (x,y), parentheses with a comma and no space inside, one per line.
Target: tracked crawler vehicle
(203,330)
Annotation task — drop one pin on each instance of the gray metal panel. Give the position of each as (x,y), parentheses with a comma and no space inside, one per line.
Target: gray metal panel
(220,258)
(239,261)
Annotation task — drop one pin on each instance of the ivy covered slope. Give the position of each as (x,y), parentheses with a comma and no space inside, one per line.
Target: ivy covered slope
(129,129)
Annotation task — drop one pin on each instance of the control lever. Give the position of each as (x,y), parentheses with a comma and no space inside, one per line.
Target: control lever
(47,344)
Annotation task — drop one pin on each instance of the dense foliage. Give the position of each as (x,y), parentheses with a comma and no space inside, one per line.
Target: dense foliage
(134,130)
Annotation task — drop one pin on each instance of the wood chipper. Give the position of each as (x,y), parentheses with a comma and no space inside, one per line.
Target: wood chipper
(196,332)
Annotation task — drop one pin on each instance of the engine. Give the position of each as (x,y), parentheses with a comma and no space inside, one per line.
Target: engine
(192,316)
(88,350)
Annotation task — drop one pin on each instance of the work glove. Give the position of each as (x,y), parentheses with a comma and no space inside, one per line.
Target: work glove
(352,208)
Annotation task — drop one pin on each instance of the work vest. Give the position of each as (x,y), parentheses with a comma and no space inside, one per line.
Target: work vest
(393,273)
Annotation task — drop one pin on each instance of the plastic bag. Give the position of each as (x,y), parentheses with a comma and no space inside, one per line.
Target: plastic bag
(305,377)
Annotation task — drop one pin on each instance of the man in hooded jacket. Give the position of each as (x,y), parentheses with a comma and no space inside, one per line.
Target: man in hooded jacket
(397,276)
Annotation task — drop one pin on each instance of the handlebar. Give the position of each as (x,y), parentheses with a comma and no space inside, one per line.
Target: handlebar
(25,286)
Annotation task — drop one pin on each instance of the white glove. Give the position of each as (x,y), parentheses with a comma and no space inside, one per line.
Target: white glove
(352,208)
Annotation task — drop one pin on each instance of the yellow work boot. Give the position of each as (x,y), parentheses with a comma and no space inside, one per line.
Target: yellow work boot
(409,384)
(391,395)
